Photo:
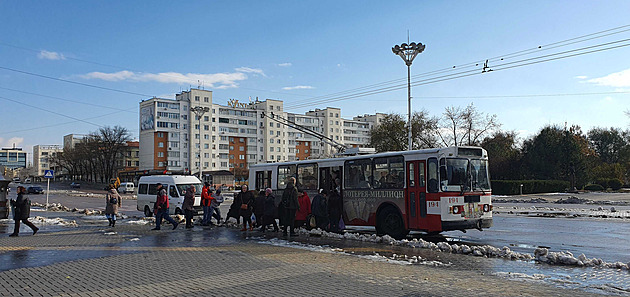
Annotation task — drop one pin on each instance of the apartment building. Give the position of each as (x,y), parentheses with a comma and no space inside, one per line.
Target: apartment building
(43,157)
(233,136)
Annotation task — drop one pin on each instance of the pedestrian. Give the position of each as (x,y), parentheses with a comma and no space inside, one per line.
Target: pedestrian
(234,211)
(215,204)
(259,208)
(319,209)
(291,205)
(187,205)
(270,213)
(246,199)
(21,211)
(334,210)
(206,204)
(305,209)
(161,208)
(112,202)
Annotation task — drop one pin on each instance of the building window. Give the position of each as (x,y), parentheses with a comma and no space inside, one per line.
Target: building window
(196,98)
(241,157)
(206,99)
(160,164)
(271,149)
(160,134)
(160,144)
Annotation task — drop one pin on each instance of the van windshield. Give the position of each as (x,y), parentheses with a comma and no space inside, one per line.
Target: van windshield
(183,187)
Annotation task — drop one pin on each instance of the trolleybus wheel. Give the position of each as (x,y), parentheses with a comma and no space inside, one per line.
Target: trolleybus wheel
(390,222)
(147,211)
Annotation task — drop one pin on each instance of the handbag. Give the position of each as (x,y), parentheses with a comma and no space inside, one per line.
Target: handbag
(310,221)
(244,206)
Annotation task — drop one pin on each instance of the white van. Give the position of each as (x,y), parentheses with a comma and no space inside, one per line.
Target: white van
(175,185)
(126,188)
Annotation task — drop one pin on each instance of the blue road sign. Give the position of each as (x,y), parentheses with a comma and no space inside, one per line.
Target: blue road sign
(49,174)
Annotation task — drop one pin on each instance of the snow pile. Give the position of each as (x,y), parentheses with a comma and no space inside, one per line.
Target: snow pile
(521,276)
(142,221)
(540,254)
(54,221)
(51,206)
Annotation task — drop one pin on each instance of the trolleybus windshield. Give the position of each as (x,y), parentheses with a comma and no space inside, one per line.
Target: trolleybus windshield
(457,175)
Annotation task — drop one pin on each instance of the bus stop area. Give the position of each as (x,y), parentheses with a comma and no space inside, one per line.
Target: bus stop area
(88,259)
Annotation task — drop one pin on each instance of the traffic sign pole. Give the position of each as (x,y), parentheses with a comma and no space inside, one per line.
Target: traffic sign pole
(48,174)
(47,190)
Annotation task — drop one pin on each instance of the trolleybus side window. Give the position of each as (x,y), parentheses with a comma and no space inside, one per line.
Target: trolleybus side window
(307,176)
(454,174)
(284,172)
(263,179)
(358,174)
(432,173)
(389,173)
(479,172)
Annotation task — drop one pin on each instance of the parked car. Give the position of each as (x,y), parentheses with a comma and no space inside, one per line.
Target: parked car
(75,185)
(127,187)
(35,190)
(27,181)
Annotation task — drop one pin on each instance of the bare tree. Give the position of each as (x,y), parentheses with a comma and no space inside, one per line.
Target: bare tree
(465,126)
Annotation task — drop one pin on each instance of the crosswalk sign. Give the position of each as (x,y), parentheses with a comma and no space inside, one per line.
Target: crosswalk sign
(49,174)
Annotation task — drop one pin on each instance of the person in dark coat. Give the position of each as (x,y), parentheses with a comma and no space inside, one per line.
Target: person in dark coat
(319,208)
(246,199)
(162,208)
(291,205)
(187,205)
(334,210)
(22,210)
(234,210)
(269,216)
(259,208)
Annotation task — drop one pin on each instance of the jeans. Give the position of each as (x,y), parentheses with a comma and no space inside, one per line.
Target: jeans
(207,214)
(111,216)
(163,214)
(217,214)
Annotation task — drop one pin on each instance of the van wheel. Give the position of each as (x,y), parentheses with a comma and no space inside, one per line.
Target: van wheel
(178,211)
(147,211)
(390,222)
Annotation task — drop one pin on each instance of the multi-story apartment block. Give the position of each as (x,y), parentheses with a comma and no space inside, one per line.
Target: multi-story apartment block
(233,136)
(12,157)
(43,157)
(129,161)
(71,140)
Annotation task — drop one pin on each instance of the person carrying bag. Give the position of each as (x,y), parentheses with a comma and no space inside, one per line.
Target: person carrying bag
(21,212)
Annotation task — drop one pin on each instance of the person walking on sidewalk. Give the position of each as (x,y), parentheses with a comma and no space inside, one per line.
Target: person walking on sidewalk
(189,201)
(216,211)
(291,205)
(161,208)
(246,199)
(112,202)
(206,203)
(21,212)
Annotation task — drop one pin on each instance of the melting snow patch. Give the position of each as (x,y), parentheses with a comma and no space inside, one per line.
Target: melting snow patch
(110,233)
(54,221)
(134,239)
(142,221)
(521,276)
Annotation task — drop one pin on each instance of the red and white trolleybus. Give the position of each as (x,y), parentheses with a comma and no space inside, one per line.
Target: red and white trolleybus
(431,190)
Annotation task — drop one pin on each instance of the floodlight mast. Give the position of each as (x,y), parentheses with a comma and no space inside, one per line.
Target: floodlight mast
(408,52)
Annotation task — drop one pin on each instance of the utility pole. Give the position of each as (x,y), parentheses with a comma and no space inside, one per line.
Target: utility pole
(200,111)
(408,52)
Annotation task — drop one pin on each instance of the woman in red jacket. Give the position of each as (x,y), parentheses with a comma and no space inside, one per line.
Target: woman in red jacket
(206,201)
(305,209)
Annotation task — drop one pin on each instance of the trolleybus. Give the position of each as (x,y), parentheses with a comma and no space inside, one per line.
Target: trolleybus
(431,190)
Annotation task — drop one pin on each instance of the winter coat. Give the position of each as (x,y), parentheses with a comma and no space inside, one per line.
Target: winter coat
(206,197)
(319,207)
(216,200)
(161,200)
(259,205)
(334,206)
(189,200)
(245,198)
(305,207)
(290,197)
(112,208)
(270,206)
(22,207)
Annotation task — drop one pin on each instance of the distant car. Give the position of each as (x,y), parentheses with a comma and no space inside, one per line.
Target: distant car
(75,185)
(27,181)
(35,190)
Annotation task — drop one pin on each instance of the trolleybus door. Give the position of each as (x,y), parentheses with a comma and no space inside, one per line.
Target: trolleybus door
(415,195)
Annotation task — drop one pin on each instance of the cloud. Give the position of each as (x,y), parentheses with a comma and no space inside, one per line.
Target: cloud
(214,80)
(618,79)
(285,64)
(298,88)
(9,143)
(43,54)
(581,77)
(250,70)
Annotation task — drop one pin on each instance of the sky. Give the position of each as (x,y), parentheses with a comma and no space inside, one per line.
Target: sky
(74,66)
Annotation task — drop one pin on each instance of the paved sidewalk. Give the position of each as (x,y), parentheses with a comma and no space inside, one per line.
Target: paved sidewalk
(92,260)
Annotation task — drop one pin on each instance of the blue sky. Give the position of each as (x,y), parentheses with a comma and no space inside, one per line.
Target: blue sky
(297,50)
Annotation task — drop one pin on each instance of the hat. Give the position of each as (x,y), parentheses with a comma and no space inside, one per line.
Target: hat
(218,191)
(268,190)
(158,184)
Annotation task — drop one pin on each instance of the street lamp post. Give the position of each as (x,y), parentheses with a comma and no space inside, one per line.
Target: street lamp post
(408,52)
(199,111)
